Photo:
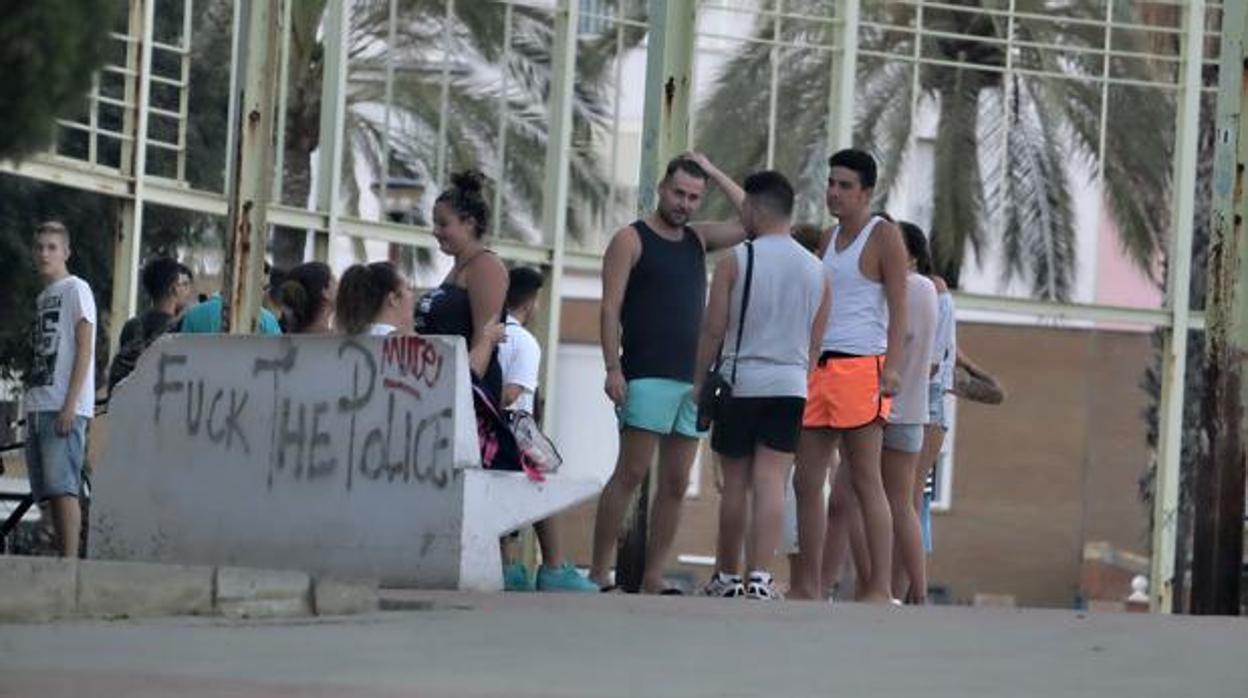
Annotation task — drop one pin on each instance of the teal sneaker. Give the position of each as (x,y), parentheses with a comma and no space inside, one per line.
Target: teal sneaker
(563,578)
(516,578)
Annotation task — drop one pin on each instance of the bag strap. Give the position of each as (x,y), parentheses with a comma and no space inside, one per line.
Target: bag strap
(745,303)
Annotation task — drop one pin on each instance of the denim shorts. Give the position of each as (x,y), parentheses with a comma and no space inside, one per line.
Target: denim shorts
(907,438)
(53,462)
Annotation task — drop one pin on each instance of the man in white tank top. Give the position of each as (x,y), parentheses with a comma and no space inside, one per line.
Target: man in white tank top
(857,374)
(768,307)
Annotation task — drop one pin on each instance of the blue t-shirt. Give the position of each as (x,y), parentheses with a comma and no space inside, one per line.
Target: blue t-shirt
(205,318)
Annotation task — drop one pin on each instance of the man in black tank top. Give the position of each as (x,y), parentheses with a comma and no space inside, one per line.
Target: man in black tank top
(653,293)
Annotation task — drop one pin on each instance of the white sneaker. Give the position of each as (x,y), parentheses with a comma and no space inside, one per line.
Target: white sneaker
(762,586)
(724,586)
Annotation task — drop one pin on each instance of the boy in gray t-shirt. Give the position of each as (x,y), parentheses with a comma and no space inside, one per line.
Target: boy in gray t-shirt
(60,395)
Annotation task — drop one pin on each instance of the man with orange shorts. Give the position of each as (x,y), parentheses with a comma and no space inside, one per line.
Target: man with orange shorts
(849,391)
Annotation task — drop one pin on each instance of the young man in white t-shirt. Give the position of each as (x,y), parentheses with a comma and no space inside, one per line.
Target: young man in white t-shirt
(520,357)
(60,395)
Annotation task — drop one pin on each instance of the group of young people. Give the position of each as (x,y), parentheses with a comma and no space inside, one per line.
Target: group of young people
(832,343)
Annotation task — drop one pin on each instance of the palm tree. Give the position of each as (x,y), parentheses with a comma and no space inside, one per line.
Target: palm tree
(469,47)
(1026,192)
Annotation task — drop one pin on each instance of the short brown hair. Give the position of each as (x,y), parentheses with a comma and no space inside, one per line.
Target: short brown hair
(681,163)
(53,228)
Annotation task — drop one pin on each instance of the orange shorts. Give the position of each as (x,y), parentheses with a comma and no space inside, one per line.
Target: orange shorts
(844,393)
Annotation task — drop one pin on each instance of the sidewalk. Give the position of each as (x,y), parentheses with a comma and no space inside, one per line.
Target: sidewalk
(472,646)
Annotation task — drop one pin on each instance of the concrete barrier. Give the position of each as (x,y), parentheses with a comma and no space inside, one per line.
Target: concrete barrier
(39,589)
(36,588)
(250,593)
(354,457)
(109,589)
(336,597)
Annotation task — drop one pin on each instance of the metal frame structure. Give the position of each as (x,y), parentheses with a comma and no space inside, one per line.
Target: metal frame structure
(134,187)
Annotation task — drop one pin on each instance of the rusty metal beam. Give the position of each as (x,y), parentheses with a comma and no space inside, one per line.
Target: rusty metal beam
(128,235)
(1178,304)
(251,181)
(1218,550)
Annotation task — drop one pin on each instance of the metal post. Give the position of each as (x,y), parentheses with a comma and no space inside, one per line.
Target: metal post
(1219,537)
(333,114)
(1178,291)
(555,193)
(665,134)
(250,183)
(283,69)
(669,83)
(445,99)
(841,85)
(844,76)
(128,238)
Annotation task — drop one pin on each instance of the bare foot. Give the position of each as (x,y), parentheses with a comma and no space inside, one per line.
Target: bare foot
(875,599)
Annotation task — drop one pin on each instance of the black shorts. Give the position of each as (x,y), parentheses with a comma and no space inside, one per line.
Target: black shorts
(745,422)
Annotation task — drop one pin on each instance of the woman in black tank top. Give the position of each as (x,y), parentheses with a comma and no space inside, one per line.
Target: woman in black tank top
(469,303)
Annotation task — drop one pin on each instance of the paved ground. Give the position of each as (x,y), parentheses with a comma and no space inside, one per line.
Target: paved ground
(474,646)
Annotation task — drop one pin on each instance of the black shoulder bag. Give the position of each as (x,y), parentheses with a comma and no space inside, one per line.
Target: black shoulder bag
(716,390)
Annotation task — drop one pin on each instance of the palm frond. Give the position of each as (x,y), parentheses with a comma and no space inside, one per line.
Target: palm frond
(1039,232)
(957,188)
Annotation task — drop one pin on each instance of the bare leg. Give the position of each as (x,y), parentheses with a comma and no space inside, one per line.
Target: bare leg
(767,475)
(636,452)
(858,549)
(550,541)
(676,454)
(845,537)
(933,439)
(814,455)
(67,520)
(842,511)
(899,485)
(863,448)
(732,514)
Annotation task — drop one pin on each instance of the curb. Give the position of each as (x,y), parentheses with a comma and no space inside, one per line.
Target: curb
(41,589)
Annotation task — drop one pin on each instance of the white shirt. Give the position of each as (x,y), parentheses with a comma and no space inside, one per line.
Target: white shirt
(945,349)
(858,321)
(910,404)
(521,358)
(379,329)
(59,308)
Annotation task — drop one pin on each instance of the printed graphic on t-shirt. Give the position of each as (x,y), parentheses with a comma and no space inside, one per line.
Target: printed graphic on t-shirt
(424,307)
(45,339)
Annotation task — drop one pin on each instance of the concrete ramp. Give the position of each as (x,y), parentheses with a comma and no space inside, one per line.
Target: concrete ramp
(350,456)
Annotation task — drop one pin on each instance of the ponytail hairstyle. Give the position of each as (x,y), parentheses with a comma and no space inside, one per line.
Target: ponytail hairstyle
(362,292)
(466,197)
(302,295)
(916,245)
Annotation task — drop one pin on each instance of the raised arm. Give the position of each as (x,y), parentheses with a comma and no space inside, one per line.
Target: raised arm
(715,319)
(617,264)
(721,234)
(893,270)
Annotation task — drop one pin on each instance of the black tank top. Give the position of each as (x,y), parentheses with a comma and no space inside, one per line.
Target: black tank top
(448,310)
(662,311)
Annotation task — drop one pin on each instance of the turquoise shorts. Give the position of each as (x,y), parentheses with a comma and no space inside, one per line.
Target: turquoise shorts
(662,406)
